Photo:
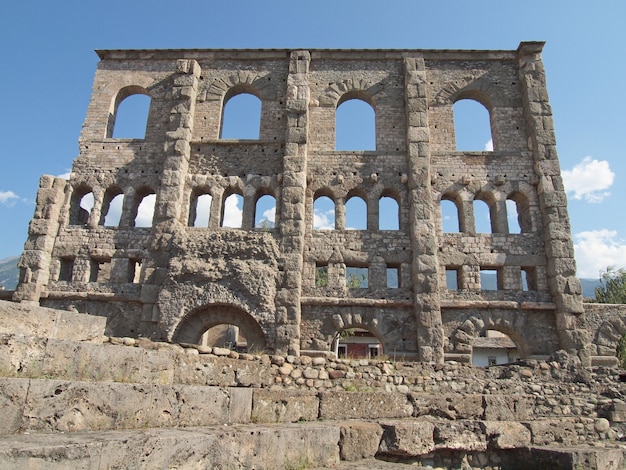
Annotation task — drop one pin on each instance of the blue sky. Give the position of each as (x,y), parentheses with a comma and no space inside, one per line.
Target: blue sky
(46,52)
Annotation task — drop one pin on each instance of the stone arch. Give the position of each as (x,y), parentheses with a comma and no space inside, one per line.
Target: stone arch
(364,320)
(508,322)
(490,200)
(120,96)
(472,88)
(244,81)
(522,205)
(350,88)
(78,215)
(110,195)
(197,321)
(609,333)
(456,199)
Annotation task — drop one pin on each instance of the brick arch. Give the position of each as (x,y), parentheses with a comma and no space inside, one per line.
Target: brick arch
(243,81)
(507,322)
(195,323)
(350,88)
(472,88)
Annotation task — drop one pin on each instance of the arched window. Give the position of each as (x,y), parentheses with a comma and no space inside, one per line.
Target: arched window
(145,209)
(265,212)
(112,207)
(130,116)
(81,206)
(323,213)
(356,214)
(483,214)
(200,210)
(232,211)
(355,125)
(388,213)
(241,117)
(518,213)
(472,126)
(450,215)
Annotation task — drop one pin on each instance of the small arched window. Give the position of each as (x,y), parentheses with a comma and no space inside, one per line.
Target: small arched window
(388,213)
(145,209)
(356,213)
(472,126)
(265,212)
(323,213)
(112,207)
(232,211)
(355,125)
(129,117)
(241,117)
(200,210)
(81,206)
(485,212)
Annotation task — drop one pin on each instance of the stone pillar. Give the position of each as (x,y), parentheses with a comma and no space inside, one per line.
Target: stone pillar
(34,263)
(168,219)
(562,281)
(430,334)
(292,206)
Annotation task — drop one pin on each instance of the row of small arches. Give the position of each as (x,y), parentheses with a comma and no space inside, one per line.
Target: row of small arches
(355,121)
(485,214)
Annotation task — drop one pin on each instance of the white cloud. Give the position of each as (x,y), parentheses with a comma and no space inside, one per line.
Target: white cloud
(8,198)
(324,220)
(596,250)
(232,212)
(65,175)
(270,214)
(589,179)
(489,146)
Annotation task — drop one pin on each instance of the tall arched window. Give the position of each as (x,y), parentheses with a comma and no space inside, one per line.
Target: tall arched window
(265,212)
(241,117)
(145,209)
(356,213)
(200,210)
(323,213)
(112,207)
(388,213)
(232,211)
(482,216)
(450,215)
(129,118)
(518,213)
(472,126)
(355,125)
(81,206)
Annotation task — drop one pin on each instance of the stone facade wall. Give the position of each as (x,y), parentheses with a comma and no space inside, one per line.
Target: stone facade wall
(172,281)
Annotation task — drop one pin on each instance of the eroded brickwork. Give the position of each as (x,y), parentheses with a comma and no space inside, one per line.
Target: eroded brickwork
(172,280)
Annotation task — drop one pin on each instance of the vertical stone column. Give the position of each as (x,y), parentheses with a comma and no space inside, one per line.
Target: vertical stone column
(34,263)
(292,226)
(430,334)
(563,283)
(170,194)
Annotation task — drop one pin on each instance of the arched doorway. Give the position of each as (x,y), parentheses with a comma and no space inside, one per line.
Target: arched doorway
(357,343)
(221,325)
(493,347)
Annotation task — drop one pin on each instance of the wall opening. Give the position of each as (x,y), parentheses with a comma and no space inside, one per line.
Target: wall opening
(265,212)
(518,213)
(134,271)
(472,126)
(323,213)
(200,210)
(111,213)
(66,269)
(493,348)
(232,211)
(355,126)
(356,213)
(489,279)
(450,220)
(453,278)
(357,277)
(357,343)
(482,216)
(393,277)
(529,278)
(241,118)
(131,117)
(388,213)
(145,211)
(99,270)
(225,335)
(321,275)
(81,206)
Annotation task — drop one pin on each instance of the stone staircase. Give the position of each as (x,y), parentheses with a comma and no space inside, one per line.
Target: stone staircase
(73,398)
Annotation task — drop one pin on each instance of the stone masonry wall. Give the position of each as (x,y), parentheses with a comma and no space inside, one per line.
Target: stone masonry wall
(172,281)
